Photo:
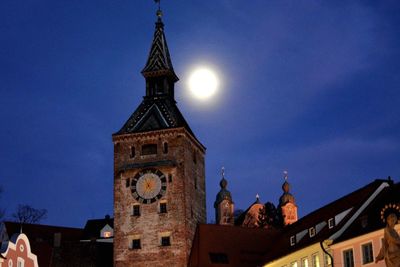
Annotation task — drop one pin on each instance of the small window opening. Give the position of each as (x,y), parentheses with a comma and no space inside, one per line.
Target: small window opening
(132,155)
(195,182)
(165,148)
(331,223)
(136,244)
(170,178)
(149,149)
(163,207)
(194,157)
(292,240)
(136,210)
(165,241)
(127,182)
(311,232)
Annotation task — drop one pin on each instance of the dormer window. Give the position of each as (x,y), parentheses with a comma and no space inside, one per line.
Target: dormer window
(293,240)
(331,223)
(149,149)
(311,232)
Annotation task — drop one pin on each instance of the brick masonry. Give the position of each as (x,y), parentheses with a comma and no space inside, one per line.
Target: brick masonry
(185,197)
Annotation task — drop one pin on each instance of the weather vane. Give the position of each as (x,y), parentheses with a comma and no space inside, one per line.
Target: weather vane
(285,175)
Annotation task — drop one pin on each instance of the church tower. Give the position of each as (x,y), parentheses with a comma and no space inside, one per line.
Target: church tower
(287,204)
(223,204)
(159,177)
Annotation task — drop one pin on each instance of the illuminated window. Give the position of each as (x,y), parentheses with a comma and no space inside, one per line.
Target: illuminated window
(348,260)
(315,260)
(20,262)
(293,264)
(107,234)
(328,260)
(304,262)
(367,253)
(136,210)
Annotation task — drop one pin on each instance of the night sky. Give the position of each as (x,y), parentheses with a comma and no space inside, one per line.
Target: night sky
(311,87)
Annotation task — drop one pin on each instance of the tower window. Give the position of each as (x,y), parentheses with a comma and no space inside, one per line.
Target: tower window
(165,148)
(165,241)
(132,155)
(127,182)
(136,210)
(136,243)
(170,178)
(195,182)
(163,207)
(149,149)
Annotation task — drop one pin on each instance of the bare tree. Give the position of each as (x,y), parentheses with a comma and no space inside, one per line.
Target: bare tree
(28,214)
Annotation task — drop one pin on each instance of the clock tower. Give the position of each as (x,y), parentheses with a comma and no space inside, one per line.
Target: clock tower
(159,178)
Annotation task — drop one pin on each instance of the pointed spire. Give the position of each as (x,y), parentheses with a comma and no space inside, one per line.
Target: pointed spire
(159,62)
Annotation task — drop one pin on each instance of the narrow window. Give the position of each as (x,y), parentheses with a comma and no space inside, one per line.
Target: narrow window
(348,259)
(132,151)
(315,260)
(195,182)
(218,258)
(170,178)
(367,253)
(304,262)
(328,260)
(149,149)
(331,223)
(293,264)
(163,207)
(127,182)
(136,244)
(165,241)
(165,148)
(292,240)
(311,232)
(136,210)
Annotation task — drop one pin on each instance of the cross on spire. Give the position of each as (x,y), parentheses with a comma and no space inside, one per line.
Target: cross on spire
(159,12)
(285,175)
(223,172)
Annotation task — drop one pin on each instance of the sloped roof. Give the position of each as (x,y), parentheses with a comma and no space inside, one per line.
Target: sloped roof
(370,219)
(159,60)
(249,217)
(93,227)
(155,114)
(239,246)
(343,208)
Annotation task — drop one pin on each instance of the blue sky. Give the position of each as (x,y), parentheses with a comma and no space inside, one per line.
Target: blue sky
(312,87)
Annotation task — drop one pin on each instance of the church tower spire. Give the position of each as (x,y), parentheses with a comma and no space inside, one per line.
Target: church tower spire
(158,71)
(287,203)
(223,204)
(159,175)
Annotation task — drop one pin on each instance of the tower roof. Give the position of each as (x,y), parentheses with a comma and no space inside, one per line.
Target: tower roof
(159,60)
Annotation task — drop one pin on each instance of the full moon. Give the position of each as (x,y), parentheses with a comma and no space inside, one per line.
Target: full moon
(203,83)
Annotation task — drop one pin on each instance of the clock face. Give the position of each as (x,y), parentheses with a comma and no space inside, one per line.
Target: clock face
(148,186)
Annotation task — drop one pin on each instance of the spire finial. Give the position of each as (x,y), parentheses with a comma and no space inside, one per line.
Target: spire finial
(159,12)
(257,196)
(285,175)
(223,172)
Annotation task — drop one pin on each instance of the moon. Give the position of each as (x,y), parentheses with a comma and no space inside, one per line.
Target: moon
(203,83)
